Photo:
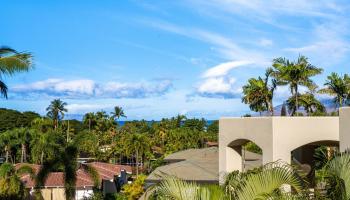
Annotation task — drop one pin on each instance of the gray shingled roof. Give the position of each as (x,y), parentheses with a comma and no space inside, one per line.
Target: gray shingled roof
(200,165)
(191,154)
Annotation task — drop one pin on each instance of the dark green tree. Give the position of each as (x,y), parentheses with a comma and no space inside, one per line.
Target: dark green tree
(295,74)
(56,111)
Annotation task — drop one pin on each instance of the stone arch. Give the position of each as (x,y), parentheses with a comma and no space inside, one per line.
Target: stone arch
(248,159)
(304,157)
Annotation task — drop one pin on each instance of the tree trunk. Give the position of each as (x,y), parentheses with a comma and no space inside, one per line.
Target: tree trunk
(137,166)
(22,153)
(42,157)
(7,154)
(89,125)
(68,132)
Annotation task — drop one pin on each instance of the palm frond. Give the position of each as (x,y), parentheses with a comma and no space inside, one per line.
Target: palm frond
(268,182)
(15,63)
(338,175)
(3,89)
(176,189)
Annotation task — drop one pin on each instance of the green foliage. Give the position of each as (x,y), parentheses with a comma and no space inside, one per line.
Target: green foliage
(10,119)
(135,189)
(176,189)
(11,186)
(262,183)
(295,74)
(337,176)
(66,159)
(258,93)
(56,110)
(11,62)
(339,87)
(252,147)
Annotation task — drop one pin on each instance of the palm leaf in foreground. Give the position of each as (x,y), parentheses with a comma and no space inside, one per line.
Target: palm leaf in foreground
(267,184)
(338,177)
(176,189)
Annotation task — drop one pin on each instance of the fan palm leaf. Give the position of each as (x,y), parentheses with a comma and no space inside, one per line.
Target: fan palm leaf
(338,176)
(266,184)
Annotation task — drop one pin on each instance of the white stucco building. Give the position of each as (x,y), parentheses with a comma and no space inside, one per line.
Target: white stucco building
(279,137)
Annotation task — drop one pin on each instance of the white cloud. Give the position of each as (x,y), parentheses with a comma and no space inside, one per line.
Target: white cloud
(82,108)
(224,68)
(265,42)
(217,85)
(56,86)
(84,88)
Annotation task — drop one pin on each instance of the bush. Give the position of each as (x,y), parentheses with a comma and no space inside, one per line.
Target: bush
(135,189)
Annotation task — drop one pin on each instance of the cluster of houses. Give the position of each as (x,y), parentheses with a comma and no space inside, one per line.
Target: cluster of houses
(111,176)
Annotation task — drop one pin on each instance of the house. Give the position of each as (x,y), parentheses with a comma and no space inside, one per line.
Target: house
(287,139)
(110,175)
(199,165)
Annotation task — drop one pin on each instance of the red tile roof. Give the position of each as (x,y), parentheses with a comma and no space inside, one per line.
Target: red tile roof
(56,179)
(107,171)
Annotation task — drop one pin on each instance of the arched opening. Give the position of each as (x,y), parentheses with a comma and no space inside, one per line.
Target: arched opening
(247,155)
(311,157)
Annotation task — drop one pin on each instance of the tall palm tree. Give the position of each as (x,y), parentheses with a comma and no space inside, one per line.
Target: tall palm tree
(11,186)
(295,74)
(23,137)
(138,144)
(89,118)
(258,93)
(7,140)
(118,112)
(43,145)
(12,62)
(339,87)
(56,111)
(66,159)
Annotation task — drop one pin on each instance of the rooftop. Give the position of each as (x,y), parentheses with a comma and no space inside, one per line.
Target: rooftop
(106,171)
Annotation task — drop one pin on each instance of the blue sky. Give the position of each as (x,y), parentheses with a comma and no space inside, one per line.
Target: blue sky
(161,58)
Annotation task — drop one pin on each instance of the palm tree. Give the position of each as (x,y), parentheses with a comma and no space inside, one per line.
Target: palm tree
(66,159)
(12,62)
(43,145)
(118,112)
(56,111)
(7,140)
(295,74)
(139,144)
(339,87)
(11,186)
(23,137)
(89,118)
(42,124)
(258,93)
